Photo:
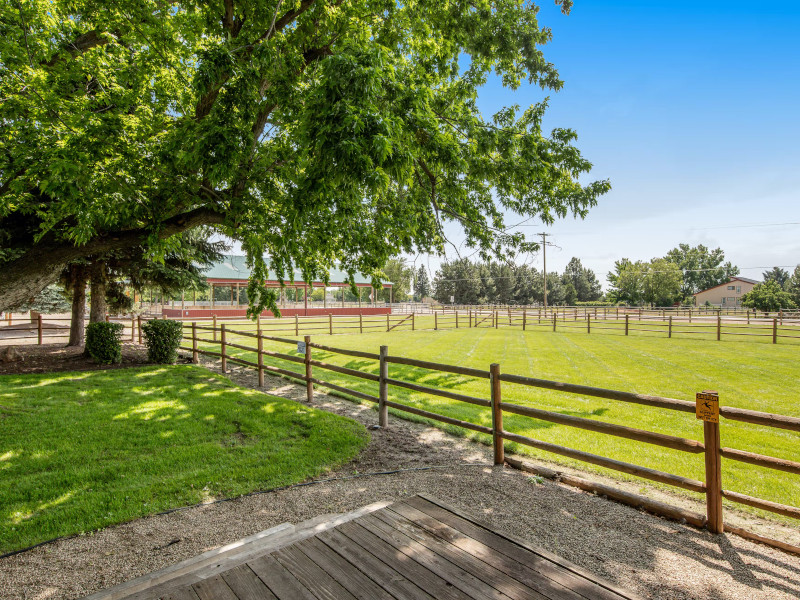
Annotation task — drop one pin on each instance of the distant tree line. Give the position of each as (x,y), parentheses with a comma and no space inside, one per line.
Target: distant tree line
(469,282)
(671,279)
(779,291)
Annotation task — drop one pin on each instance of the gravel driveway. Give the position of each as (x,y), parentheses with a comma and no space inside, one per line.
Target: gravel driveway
(646,554)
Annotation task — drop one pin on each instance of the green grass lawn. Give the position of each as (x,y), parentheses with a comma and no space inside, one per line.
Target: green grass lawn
(81,451)
(747,374)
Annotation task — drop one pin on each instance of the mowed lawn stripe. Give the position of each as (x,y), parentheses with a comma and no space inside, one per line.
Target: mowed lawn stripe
(747,375)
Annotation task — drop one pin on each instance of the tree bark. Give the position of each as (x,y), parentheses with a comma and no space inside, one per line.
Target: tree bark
(78,277)
(98,308)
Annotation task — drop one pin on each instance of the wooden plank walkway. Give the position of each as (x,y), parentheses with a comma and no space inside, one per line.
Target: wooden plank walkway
(417,549)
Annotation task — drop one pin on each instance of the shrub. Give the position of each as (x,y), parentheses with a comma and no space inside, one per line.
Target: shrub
(104,342)
(162,338)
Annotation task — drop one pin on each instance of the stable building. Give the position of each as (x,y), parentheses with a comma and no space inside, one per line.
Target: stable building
(228,282)
(726,295)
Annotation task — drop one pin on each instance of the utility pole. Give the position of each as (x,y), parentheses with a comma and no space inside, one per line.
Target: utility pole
(544,258)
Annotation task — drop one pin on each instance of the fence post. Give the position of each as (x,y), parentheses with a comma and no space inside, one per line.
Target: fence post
(554,320)
(413,327)
(222,348)
(387,322)
(496,320)
(748,316)
(260,360)
(626,323)
(133,328)
(588,323)
(307,360)
(296,325)
(139,326)
(435,320)
(456,319)
(719,328)
(215,326)
(330,323)
(383,387)
(361,322)
(670,327)
(780,315)
(497,414)
(524,318)
(39,327)
(640,313)
(690,315)
(195,357)
(108,318)
(713,476)
(774,331)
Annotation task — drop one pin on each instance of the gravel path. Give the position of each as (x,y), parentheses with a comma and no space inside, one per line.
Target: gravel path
(652,556)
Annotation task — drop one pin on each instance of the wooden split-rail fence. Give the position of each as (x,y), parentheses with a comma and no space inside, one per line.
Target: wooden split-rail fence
(710,446)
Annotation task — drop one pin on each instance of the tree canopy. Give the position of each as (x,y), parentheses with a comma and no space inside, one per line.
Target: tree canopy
(702,268)
(778,275)
(768,296)
(583,281)
(317,133)
(657,282)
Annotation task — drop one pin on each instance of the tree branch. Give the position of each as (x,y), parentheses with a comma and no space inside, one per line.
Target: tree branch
(27,275)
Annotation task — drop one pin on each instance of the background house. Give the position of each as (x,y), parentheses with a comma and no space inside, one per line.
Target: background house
(727,294)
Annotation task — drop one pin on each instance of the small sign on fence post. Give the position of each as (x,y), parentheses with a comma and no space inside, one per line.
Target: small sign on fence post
(707,409)
(707,406)
(301,347)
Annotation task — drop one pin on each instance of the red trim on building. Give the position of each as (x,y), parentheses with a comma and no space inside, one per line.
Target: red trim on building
(208,313)
(293,285)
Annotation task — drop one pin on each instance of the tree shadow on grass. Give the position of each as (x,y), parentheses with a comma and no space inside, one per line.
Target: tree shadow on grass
(117,445)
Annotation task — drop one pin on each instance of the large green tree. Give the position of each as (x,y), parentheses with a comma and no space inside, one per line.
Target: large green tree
(317,132)
(627,281)
(768,296)
(399,273)
(702,268)
(778,275)
(585,287)
(662,283)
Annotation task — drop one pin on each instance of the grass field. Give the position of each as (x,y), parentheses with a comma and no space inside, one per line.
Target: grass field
(746,372)
(701,328)
(81,451)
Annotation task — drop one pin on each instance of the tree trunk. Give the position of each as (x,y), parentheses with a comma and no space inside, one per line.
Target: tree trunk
(78,277)
(97,309)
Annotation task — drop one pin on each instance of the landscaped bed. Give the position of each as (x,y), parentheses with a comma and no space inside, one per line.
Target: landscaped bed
(83,450)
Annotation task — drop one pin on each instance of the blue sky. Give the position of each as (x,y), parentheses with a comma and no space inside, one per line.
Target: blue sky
(690,109)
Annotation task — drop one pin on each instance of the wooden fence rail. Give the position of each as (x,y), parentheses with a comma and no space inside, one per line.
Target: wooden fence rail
(674,323)
(709,447)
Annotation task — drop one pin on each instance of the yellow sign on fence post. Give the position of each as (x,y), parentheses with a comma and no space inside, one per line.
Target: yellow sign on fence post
(707,406)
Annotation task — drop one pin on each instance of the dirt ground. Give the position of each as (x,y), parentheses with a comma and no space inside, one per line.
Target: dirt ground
(50,358)
(652,556)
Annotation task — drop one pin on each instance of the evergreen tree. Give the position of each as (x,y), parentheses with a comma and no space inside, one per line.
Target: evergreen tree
(584,283)
(793,287)
(778,275)
(422,285)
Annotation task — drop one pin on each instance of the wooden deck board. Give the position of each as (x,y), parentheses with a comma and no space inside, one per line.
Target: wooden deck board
(246,584)
(419,549)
